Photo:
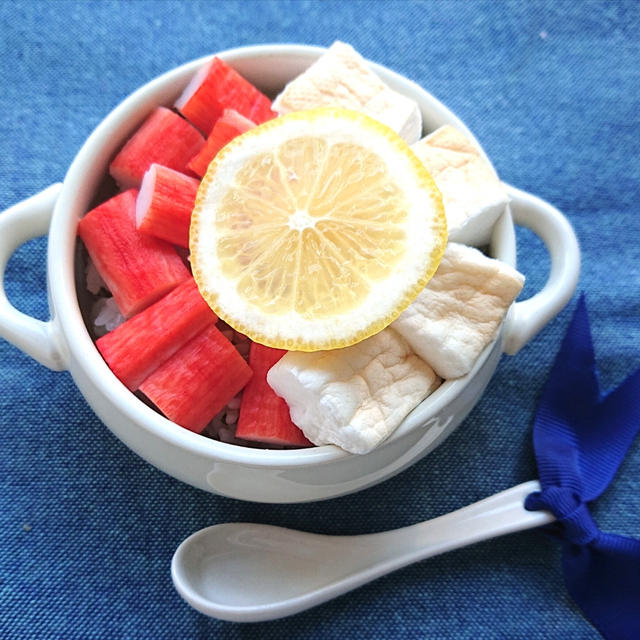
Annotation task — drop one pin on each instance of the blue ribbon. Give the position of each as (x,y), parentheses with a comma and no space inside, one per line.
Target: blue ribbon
(580,438)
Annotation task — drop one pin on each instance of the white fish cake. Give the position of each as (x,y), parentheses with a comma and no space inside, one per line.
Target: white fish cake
(342,78)
(472,193)
(459,312)
(353,397)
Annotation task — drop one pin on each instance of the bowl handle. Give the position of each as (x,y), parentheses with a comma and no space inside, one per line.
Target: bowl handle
(26,220)
(528,317)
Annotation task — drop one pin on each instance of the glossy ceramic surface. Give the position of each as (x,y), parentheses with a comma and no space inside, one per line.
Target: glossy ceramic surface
(251,474)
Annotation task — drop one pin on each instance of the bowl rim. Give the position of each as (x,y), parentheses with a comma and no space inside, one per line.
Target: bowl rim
(72,203)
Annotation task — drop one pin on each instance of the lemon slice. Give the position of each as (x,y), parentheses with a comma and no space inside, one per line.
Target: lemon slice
(315,230)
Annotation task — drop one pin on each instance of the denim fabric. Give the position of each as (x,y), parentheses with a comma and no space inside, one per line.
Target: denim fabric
(87,528)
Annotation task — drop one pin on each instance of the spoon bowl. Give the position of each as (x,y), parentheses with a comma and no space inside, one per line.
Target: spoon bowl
(253,572)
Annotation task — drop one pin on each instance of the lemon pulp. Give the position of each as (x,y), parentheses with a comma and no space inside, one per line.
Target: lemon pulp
(315,230)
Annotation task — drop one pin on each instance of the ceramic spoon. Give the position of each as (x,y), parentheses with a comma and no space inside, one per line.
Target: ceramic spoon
(251,572)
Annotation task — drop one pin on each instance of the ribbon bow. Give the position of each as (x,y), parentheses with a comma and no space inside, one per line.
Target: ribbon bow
(580,438)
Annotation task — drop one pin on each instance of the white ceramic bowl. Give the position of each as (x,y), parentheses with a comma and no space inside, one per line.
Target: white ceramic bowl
(245,473)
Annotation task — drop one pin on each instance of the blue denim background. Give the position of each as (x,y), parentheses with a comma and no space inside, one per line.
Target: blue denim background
(87,529)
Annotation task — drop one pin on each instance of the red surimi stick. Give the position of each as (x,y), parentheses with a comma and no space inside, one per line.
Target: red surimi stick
(192,386)
(229,125)
(137,268)
(264,416)
(164,138)
(136,348)
(216,87)
(165,203)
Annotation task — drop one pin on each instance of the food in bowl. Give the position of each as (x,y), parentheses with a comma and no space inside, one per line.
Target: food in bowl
(173,349)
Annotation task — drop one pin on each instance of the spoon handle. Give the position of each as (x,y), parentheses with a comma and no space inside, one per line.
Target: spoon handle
(494,516)
(371,556)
